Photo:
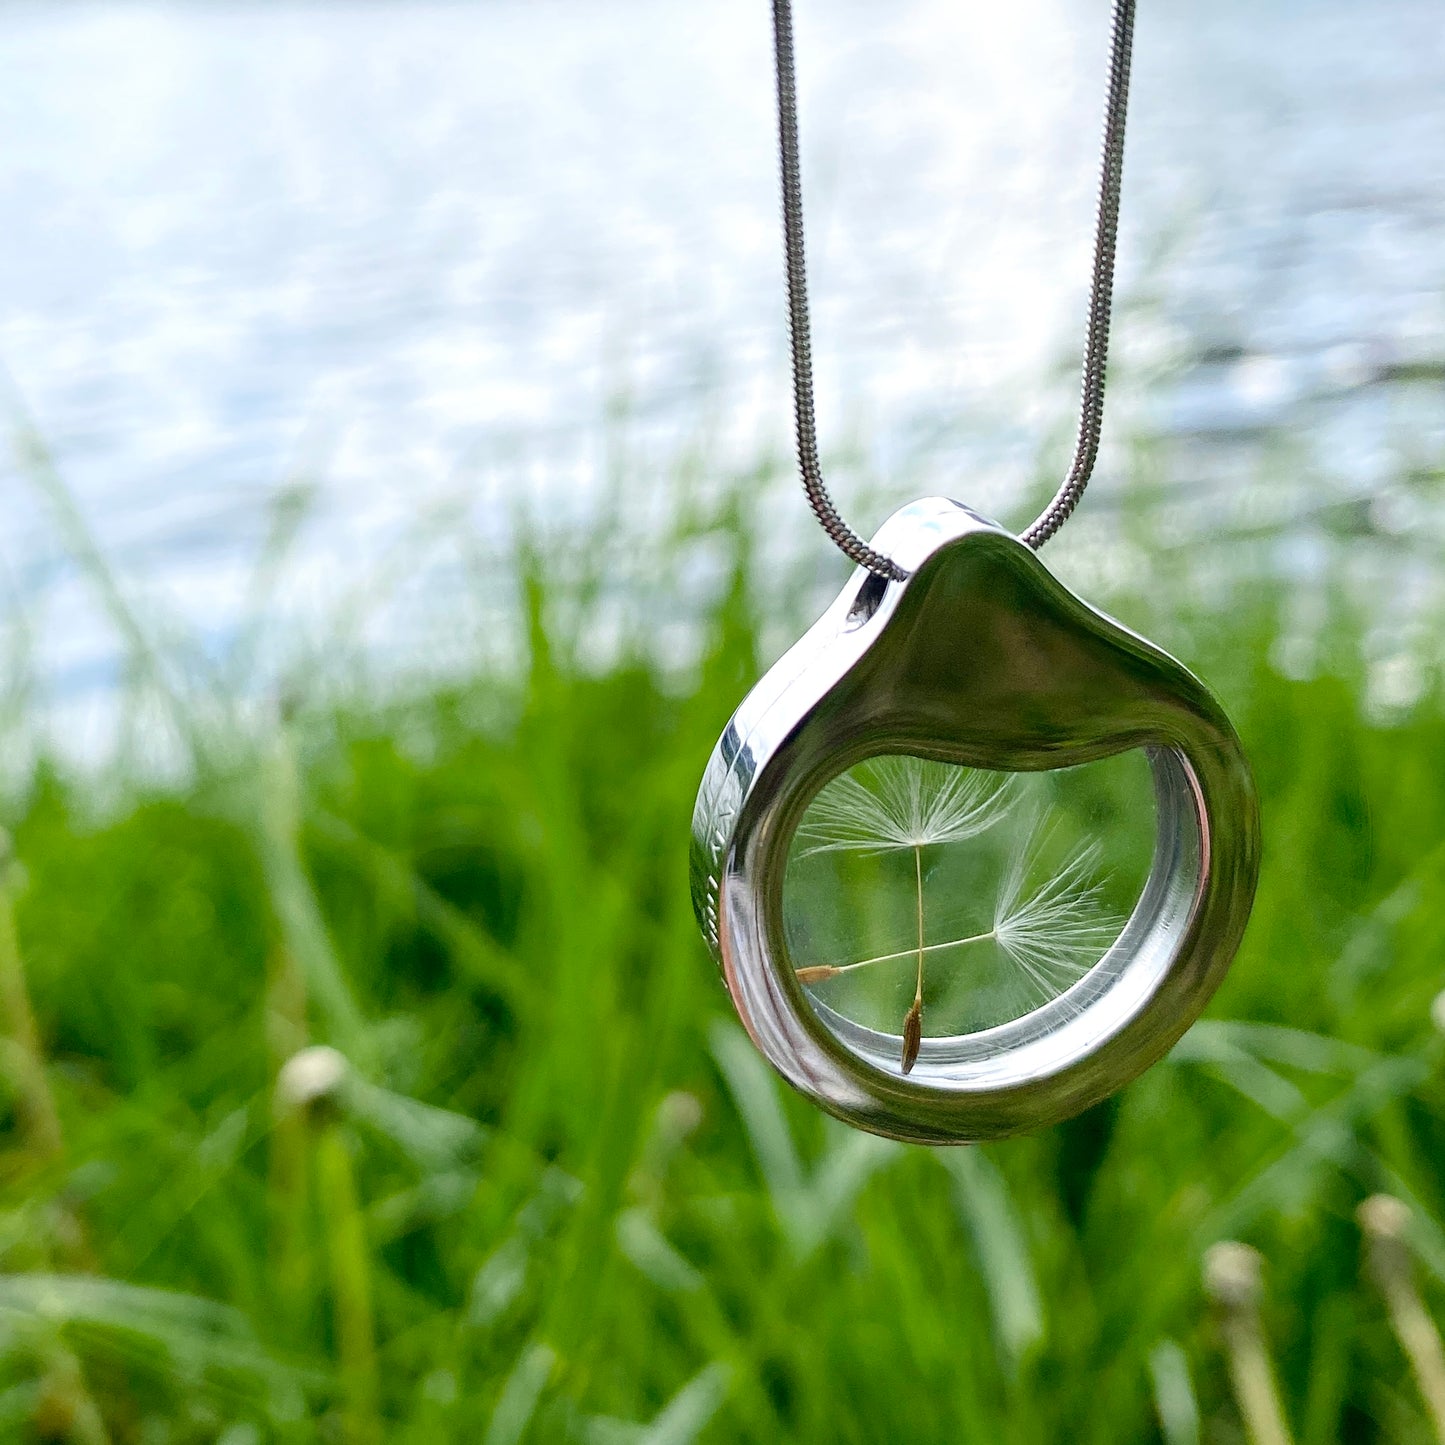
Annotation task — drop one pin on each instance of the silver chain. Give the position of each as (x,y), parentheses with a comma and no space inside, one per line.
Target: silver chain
(1096,344)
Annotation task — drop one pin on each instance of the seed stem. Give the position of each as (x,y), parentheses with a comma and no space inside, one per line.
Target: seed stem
(913,1019)
(1232,1277)
(1386,1221)
(817,973)
(918,876)
(352,1316)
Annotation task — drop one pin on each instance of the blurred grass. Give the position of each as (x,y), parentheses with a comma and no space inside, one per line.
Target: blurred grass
(543,1190)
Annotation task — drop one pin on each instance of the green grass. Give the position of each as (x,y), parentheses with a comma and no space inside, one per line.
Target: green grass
(554,1195)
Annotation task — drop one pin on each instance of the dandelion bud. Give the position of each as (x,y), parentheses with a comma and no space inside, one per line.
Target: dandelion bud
(1233,1280)
(313,1080)
(1382,1216)
(1232,1275)
(678,1115)
(1384,1221)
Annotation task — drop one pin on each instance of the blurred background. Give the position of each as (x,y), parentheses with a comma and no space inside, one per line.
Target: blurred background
(397,499)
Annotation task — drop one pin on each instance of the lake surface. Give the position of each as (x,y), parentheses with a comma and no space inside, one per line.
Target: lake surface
(433,260)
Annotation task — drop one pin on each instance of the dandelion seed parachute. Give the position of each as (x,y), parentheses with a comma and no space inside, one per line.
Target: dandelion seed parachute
(891,803)
(1048,932)
(1059,930)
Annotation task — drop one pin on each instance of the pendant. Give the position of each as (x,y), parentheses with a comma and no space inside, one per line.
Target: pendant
(971,856)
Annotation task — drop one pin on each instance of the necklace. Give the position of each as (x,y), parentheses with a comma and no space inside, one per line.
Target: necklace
(971,856)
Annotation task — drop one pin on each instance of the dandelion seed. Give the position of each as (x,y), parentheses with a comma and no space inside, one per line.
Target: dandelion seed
(1047,934)
(912,1035)
(818,973)
(892,803)
(1056,933)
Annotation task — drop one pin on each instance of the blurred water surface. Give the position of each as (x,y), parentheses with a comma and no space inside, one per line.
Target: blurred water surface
(418,255)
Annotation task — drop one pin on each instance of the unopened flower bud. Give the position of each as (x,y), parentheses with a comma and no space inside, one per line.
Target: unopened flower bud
(1232,1274)
(313,1081)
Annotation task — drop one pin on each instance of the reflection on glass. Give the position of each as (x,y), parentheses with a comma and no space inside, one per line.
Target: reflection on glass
(925,899)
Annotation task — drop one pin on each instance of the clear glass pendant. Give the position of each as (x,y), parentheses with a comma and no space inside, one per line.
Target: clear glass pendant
(971,856)
(926,895)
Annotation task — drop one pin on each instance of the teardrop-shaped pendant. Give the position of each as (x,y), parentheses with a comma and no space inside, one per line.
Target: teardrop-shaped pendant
(971,855)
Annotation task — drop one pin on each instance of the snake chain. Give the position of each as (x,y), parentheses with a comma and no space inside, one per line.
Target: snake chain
(1096,344)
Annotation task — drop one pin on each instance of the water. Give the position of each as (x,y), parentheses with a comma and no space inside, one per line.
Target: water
(412,254)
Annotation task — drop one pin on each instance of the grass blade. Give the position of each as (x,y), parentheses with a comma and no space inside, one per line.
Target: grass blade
(987,1210)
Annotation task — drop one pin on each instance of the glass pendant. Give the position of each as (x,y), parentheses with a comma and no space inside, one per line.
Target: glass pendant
(971,856)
